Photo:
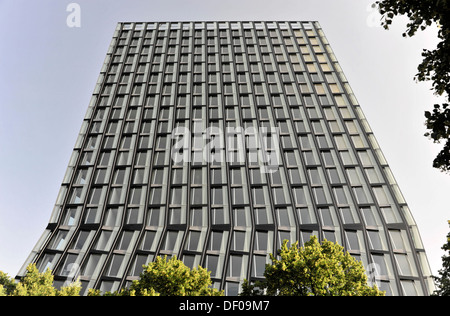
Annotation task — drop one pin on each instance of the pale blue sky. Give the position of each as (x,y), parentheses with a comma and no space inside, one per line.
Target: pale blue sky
(48,72)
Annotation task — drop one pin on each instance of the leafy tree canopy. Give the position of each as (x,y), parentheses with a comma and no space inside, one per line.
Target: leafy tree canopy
(435,66)
(313,270)
(172,278)
(35,283)
(443,281)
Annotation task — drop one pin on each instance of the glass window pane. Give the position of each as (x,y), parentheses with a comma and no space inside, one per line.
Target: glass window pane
(125,240)
(193,241)
(148,242)
(259,266)
(91,265)
(80,240)
(352,240)
(115,265)
(104,240)
(326,217)
(307,216)
(299,195)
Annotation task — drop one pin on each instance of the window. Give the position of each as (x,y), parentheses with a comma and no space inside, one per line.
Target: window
(217,196)
(361,196)
(256,177)
(299,195)
(348,215)
(95,196)
(259,266)
(382,267)
(235,266)
(404,264)
(138,176)
(81,177)
(217,176)
(135,196)
(172,241)
(410,288)
(236,176)
(375,240)
(156,196)
(69,267)
(70,217)
(219,216)
(112,217)
(59,241)
(352,240)
(125,240)
(92,263)
(104,240)
(193,241)
(326,217)
(212,264)
(381,195)
(92,216)
(76,196)
(176,196)
(139,261)
(398,240)
(116,196)
(100,176)
(306,216)
(237,196)
(340,195)
(197,196)
(285,217)
(258,196)
(115,265)
(391,215)
(134,216)
(263,216)
(196,217)
(319,195)
(216,241)
(119,176)
(262,241)
(334,176)
(239,242)
(148,241)
(197,176)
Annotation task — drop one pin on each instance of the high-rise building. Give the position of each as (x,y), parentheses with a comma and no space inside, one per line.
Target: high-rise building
(216,141)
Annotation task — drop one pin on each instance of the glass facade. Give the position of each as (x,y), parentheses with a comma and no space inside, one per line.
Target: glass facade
(216,141)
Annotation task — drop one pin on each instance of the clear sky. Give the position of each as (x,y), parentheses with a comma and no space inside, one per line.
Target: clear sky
(48,72)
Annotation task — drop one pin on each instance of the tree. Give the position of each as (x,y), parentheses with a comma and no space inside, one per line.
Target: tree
(435,66)
(313,270)
(443,281)
(35,283)
(172,278)
(7,284)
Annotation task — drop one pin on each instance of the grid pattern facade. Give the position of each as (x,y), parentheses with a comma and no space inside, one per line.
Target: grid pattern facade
(124,200)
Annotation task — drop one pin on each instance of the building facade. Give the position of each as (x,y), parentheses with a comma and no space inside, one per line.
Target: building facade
(216,141)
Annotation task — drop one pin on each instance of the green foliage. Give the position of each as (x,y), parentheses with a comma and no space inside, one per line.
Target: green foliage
(443,281)
(7,284)
(35,283)
(313,270)
(435,66)
(162,277)
(2,291)
(438,122)
(72,289)
(172,278)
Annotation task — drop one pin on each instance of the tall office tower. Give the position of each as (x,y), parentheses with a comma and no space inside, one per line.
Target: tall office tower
(216,141)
